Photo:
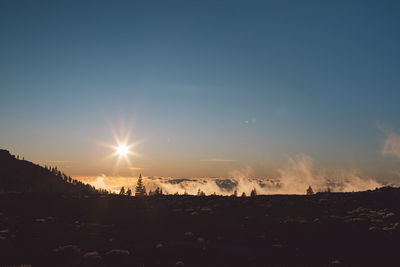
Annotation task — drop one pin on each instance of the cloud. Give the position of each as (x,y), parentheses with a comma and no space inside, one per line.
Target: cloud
(218,160)
(300,173)
(391,146)
(293,178)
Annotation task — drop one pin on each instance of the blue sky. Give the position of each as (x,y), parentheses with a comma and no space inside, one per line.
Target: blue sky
(249,82)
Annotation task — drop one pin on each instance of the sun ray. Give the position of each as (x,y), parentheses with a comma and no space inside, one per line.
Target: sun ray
(123,147)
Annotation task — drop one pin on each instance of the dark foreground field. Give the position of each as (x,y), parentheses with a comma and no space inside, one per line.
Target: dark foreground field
(351,229)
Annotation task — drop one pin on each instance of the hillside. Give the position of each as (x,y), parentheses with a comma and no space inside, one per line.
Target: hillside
(23,176)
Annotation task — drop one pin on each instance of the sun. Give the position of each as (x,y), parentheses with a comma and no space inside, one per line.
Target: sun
(122,150)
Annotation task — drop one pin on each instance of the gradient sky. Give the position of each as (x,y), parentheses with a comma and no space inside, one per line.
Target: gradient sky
(209,86)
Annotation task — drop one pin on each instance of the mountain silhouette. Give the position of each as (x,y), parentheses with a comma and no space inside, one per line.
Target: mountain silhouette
(24,176)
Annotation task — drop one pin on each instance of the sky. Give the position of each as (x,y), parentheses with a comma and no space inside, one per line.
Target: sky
(205,87)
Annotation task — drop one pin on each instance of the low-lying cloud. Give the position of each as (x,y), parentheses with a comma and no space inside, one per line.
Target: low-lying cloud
(293,178)
(391,146)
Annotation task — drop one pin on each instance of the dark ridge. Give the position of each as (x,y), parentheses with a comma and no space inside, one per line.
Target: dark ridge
(24,176)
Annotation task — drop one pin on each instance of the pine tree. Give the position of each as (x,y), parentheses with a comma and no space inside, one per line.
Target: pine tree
(235,193)
(328,190)
(253,193)
(157,191)
(310,191)
(129,192)
(122,191)
(200,193)
(140,189)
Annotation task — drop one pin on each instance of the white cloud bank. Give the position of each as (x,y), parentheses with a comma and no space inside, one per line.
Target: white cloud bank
(293,178)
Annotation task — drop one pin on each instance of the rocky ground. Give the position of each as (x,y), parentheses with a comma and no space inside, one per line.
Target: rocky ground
(328,229)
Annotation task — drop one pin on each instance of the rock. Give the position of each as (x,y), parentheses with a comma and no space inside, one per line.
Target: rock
(189,234)
(393,227)
(381,213)
(357,210)
(67,250)
(354,220)
(206,209)
(92,256)
(391,214)
(117,257)
(179,264)
(117,252)
(376,220)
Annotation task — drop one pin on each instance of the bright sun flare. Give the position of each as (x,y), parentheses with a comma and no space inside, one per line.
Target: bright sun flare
(122,150)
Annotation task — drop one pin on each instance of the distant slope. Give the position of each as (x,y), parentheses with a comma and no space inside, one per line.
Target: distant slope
(24,176)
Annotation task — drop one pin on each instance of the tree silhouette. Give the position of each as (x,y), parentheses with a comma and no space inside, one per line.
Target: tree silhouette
(200,193)
(140,189)
(157,192)
(328,190)
(122,191)
(129,192)
(235,193)
(253,193)
(310,191)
